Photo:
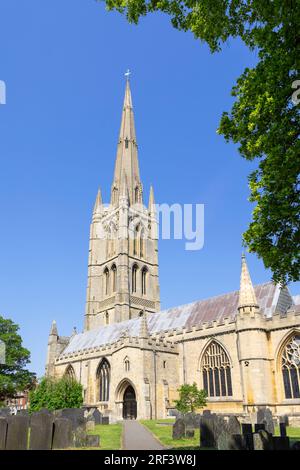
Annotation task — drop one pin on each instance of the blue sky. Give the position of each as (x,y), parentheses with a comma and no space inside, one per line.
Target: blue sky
(63,63)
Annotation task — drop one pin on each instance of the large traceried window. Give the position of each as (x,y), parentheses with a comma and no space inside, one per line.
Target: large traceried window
(70,373)
(291,367)
(103,375)
(216,372)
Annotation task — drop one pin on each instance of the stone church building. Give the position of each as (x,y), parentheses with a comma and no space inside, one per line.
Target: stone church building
(242,347)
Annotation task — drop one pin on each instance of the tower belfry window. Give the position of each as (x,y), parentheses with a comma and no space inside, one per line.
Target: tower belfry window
(126,143)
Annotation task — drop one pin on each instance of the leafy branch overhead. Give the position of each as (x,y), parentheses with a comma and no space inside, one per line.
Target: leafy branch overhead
(263,121)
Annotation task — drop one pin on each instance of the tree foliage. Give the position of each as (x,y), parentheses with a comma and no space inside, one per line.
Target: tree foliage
(56,394)
(190,398)
(14,377)
(263,121)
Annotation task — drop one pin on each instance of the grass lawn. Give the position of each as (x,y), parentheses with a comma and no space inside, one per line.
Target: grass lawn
(293,433)
(164,434)
(110,436)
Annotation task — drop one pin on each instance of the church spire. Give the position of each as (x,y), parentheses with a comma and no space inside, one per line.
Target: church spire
(127,155)
(98,202)
(247,297)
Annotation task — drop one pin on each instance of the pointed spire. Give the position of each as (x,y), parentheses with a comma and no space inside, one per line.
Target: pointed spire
(151,206)
(144,331)
(98,202)
(247,297)
(53,330)
(127,156)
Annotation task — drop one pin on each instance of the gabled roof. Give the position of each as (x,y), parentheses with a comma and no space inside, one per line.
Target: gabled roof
(270,299)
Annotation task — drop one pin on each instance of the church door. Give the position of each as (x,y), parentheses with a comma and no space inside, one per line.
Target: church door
(129,403)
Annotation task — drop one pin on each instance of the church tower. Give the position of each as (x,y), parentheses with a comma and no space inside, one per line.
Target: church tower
(123,252)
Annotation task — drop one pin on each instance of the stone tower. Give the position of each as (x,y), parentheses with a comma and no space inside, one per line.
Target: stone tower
(123,252)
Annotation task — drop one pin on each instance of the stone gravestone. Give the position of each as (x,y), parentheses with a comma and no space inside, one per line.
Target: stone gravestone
(17,433)
(190,424)
(281,443)
(92,440)
(264,416)
(41,431)
(296,445)
(282,427)
(90,425)
(75,415)
(233,425)
(247,433)
(266,441)
(211,427)
(105,420)
(259,427)
(3,431)
(228,441)
(257,441)
(80,437)
(94,415)
(4,412)
(178,430)
(63,435)
(206,430)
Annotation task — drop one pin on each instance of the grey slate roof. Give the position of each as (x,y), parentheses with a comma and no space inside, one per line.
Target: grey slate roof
(269,297)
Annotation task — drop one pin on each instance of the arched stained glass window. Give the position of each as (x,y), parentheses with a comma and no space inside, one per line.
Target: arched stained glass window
(70,373)
(291,367)
(103,375)
(216,371)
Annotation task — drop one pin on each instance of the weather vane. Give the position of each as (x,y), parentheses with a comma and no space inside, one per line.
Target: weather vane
(127,74)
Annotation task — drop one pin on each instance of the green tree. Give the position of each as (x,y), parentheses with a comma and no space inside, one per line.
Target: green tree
(263,121)
(56,394)
(190,398)
(14,376)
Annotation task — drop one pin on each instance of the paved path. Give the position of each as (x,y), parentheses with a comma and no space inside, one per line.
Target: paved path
(137,437)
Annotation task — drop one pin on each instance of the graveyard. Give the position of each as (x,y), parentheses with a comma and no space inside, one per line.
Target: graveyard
(82,429)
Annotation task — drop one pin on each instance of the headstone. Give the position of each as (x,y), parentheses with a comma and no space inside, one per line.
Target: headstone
(282,427)
(63,435)
(266,440)
(296,445)
(284,419)
(190,433)
(92,440)
(211,426)
(246,428)
(206,430)
(190,420)
(233,425)
(259,427)
(228,441)
(17,433)
(80,437)
(105,420)
(41,431)
(4,412)
(257,441)
(206,413)
(281,443)
(178,429)
(3,431)
(75,415)
(23,413)
(264,416)
(90,426)
(94,415)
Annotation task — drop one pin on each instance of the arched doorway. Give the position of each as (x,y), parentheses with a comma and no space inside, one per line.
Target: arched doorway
(129,403)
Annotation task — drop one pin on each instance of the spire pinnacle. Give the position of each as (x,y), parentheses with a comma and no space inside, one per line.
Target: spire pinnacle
(127,156)
(53,330)
(151,206)
(98,201)
(247,297)
(144,331)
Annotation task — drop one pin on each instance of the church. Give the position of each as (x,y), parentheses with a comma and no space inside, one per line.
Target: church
(242,347)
